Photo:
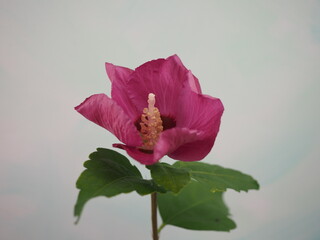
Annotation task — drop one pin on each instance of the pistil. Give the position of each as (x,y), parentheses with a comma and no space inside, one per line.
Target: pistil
(151,124)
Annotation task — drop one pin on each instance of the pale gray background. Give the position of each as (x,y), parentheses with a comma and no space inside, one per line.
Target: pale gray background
(260,57)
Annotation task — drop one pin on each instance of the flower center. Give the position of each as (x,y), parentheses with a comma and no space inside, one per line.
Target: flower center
(151,124)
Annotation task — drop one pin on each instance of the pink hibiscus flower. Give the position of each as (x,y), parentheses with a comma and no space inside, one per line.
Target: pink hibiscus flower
(156,110)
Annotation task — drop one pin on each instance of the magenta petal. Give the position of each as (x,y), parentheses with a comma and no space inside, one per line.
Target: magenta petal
(163,77)
(169,141)
(193,151)
(199,112)
(119,77)
(172,139)
(117,73)
(105,112)
(194,83)
(135,153)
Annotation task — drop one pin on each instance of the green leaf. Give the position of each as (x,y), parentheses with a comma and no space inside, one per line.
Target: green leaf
(218,178)
(169,177)
(108,174)
(195,208)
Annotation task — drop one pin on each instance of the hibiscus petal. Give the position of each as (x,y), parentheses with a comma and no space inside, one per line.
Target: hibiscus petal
(199,112)
(202,113)
(163,77)
(117,73)
(168,142)
(194,83)
(193,151)
(105,112)
(135,153)
(119,76)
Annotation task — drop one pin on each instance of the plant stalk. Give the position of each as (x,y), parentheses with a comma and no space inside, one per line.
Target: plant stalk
(155,235)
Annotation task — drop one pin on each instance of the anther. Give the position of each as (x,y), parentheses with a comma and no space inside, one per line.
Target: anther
(151,124)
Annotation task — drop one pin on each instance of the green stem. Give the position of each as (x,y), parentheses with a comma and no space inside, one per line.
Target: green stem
(154,216)
(161,227)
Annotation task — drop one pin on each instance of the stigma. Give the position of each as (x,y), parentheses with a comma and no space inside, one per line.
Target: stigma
(151,124)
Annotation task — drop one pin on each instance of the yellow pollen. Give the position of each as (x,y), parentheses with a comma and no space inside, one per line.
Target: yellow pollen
(151,124)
